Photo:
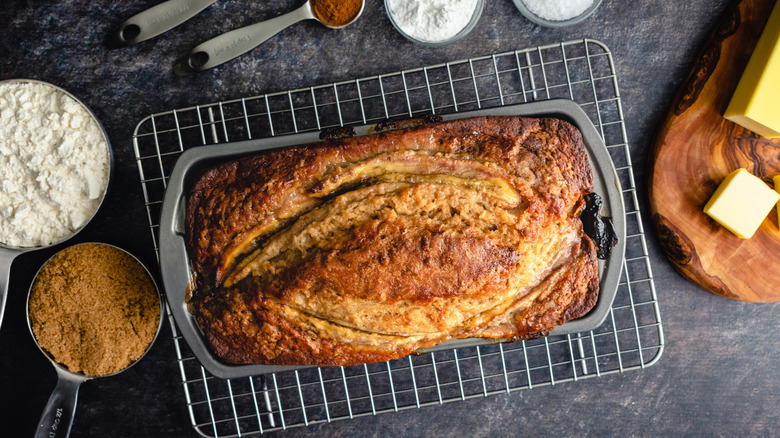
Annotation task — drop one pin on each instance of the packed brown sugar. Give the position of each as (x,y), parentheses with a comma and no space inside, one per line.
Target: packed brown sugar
(94,309)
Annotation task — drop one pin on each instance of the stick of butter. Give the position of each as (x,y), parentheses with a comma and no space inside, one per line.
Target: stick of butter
(754,103)
(776,180)
(741,203)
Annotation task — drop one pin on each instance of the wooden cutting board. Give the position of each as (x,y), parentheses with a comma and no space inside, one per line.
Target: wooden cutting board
(695,149)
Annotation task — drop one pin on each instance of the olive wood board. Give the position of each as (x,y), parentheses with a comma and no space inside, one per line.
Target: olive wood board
(175,264)
(694,151)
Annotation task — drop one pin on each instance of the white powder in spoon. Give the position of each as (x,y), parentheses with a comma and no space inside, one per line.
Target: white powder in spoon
(557,10)
(432,20)
(54,164)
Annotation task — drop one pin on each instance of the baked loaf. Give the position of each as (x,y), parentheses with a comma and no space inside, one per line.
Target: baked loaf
(367,249)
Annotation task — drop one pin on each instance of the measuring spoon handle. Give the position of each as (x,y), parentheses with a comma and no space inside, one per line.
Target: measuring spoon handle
(156,20)
(232,44)
(57,417)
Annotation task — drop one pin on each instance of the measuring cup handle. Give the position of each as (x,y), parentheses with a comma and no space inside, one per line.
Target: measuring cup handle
(232,44)
(6,259)
(57,417)
(156,20)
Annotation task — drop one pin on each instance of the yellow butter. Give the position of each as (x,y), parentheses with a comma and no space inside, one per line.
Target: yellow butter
(741,203)
(754,104)
(776,180)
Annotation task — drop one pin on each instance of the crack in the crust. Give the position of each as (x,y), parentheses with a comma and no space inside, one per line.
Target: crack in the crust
(343,325)
(408,164)
(493,190)
(515,302)
(304,223)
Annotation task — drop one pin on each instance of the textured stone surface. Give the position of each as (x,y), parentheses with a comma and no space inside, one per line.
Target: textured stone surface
(719,371)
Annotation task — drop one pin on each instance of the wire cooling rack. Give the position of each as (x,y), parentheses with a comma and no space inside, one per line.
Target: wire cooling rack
(630,338)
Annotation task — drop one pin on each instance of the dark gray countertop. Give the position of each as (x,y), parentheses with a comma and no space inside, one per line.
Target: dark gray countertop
(720,371)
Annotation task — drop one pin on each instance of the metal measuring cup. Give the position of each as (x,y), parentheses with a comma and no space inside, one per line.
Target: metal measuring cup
(9,253)
(232,44)
(57,417)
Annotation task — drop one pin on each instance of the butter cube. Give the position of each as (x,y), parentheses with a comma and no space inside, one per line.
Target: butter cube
(754,104)
(741,203)
(776,180)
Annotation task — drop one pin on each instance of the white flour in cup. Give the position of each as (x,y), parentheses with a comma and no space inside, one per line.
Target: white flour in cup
(432,20)
(54,164)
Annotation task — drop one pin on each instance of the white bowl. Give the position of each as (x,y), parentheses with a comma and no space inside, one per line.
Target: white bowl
(463,32)
(555,23)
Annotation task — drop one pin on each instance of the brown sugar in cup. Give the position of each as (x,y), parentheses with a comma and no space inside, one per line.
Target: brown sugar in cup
(94,309)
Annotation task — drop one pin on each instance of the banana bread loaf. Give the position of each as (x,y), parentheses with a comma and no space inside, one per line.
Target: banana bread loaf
(367,249)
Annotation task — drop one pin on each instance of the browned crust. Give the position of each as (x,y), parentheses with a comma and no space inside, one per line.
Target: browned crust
(223,210)
(252,323)
(244,334)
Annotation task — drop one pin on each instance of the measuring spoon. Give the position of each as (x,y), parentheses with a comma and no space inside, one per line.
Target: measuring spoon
(232,44)
(57,417)
(156,20)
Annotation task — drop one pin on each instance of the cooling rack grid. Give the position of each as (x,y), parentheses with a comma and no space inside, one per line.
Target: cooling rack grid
(630,338)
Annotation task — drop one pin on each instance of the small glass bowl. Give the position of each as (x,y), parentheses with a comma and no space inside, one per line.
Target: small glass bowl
(465,31)
(554,23)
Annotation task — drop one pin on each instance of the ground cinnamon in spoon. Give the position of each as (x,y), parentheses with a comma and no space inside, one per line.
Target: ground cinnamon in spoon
(336,13)
(94,309)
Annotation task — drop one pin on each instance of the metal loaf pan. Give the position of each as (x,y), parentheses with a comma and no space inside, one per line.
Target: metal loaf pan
(175,263)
